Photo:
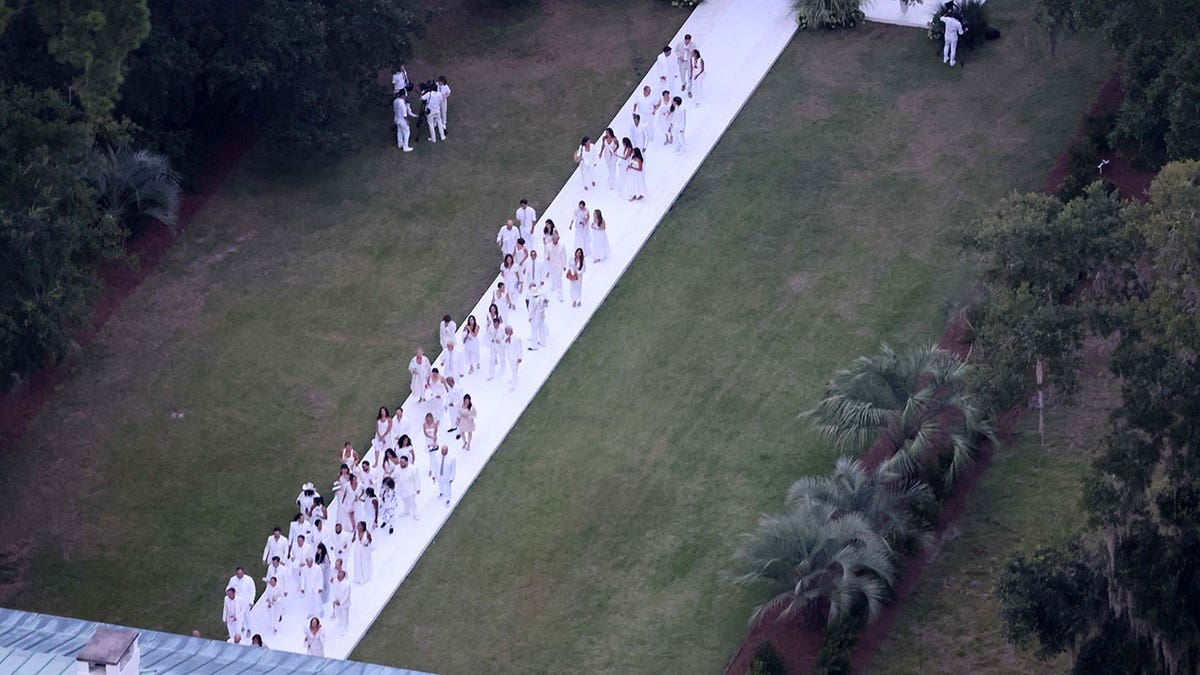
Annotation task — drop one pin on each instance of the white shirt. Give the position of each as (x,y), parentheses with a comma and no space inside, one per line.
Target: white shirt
(954,28)
(279,572)
(399,80)
(679,118)
(433,100)
(662,67)
(446,332)
(244,587)
(407,481)
(444,90)
(400,111)
(340,590)
(513,348)
(637,135)
(683,51)
(276,546)
(234,609)
(526,216)
(443,467)
(507,238)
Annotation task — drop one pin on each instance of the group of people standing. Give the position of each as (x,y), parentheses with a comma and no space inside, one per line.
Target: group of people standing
(435,97)
(309,571)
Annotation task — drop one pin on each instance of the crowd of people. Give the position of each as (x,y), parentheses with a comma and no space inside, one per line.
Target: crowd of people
(435,104)
(310,571)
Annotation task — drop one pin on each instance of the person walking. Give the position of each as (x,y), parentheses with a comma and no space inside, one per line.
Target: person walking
(609,147)
(443,87)
(339,589)
(314,638)
(526,217)
(495,340)
(600,248)
(636,181)
(433,108)
(536,304)
(408,486)
(466,421)
(445,474)
(679,125)
(575,276)
(585,157)
(363,566)
(581,223)
(698,79)
(471,344)
(512,353)
(662,68)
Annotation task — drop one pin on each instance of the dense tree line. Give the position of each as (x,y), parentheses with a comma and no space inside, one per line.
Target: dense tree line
(100,96)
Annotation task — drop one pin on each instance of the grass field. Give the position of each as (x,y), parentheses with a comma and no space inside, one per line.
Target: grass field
(594,540)
(1028,498)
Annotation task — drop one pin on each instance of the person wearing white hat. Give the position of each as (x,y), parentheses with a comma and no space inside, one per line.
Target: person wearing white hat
(304,501)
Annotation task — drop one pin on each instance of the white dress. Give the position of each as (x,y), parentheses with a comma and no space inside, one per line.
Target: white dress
(583,231)
(420,373)
(610,148)
(600,249)
(471,348)
(509,274)
(314,643)
(664,120)
(576,284)
(587,165)
(636,181)
(362,558)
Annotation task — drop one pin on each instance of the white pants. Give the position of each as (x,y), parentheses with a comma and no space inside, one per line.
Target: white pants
(444,487)
(442,117)
(685,73)
(275,615)
(402,132)
(949,51)
(410,506)
(587,173)
(497,360)
(435,124)
(697,88)
(234,627)
(556,279)
(453,361)
(341,616)
(540,332)
(680,142)
(513,366)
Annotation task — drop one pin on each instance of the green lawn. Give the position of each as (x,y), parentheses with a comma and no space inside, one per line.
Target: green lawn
(594,540)
(1028,498)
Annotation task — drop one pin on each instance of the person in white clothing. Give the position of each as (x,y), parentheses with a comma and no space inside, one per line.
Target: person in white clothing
(471,337)
(301,551)
(280,571)
(698,78)
(679,124)
(273,596)
(448,336)
(662,68)
(433,110)
(581,222)
(639,133)
(246,591)
(400,114)
(575,276)
(954,29)
(408,486)
(527,217)
(340,591)
(443,87)
(556,264)
(314,638)
(495,341)
(277,545)
(643,107)
(233,614)
(420,368)
(662,112)
(512,353)
(683,61)
(507,238)
(312,588)
(445,470)
(585,157)
(453,397)
(362,554)
(341,540)
(536,305)
(400,79)
(610,145)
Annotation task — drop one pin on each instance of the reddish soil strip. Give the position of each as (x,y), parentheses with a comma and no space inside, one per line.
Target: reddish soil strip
(19,405)
(798,643)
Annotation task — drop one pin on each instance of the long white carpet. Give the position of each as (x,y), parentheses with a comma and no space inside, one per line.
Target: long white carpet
(740,40)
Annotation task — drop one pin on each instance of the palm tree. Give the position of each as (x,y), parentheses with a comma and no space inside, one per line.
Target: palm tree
(885,500)
(819,566)
(827,13)
(131,185)
(918,400)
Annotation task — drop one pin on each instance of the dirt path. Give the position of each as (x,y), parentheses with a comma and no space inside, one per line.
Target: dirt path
(19,405)
(799,644)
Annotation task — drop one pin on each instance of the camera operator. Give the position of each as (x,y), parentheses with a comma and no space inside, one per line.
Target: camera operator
(433,99)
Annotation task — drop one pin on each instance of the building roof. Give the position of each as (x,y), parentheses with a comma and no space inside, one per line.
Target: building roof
(39,644)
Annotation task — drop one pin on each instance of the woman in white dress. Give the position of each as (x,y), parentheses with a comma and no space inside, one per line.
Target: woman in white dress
(348,455)
(369,510)
(419,368)
(508,271)
(345,499)
(314,638)
(383,431)
(405,447)
(581,223)
(600,249)
(471,344)
(322,560)
(698,78)
(575,276)
(466,421)
(585,156)
(623,163)
(637,176)
(494,313)
(609,147)
(548,230)
(430,429)
(362,554)
(662,112)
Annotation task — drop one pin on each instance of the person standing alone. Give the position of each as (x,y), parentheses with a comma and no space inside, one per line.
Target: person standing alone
(954,28)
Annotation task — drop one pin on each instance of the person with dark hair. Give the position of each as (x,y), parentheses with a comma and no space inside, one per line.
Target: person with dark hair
(314,638)
(443,87)
(643,107)
(408,486)
(585,157)
(953,29)
(246,592)
(636,181)
(471,345)
(662,68)
(679,125)
(401,111)
(274,597)
(556,264)
(526,216)
(362,554)
(609,147)
(277,545)
(445,469)
(697,77)
(683,60)
(233,614)
(495,340)
(466,421)
(662,111)
(575,276)
(639,134)
(279,570)
(256,641)
(581,222)
(433,99)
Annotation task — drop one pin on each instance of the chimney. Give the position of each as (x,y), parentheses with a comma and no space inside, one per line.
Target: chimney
(111,651)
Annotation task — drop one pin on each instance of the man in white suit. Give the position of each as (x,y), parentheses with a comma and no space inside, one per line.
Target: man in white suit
(444,469)
(954,28)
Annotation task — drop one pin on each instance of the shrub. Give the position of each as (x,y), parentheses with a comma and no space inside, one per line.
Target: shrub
(767,660)
(840,638)
(828,14)
(974,21)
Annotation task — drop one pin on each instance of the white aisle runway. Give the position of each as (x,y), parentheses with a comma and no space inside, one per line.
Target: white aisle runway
(739,40)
